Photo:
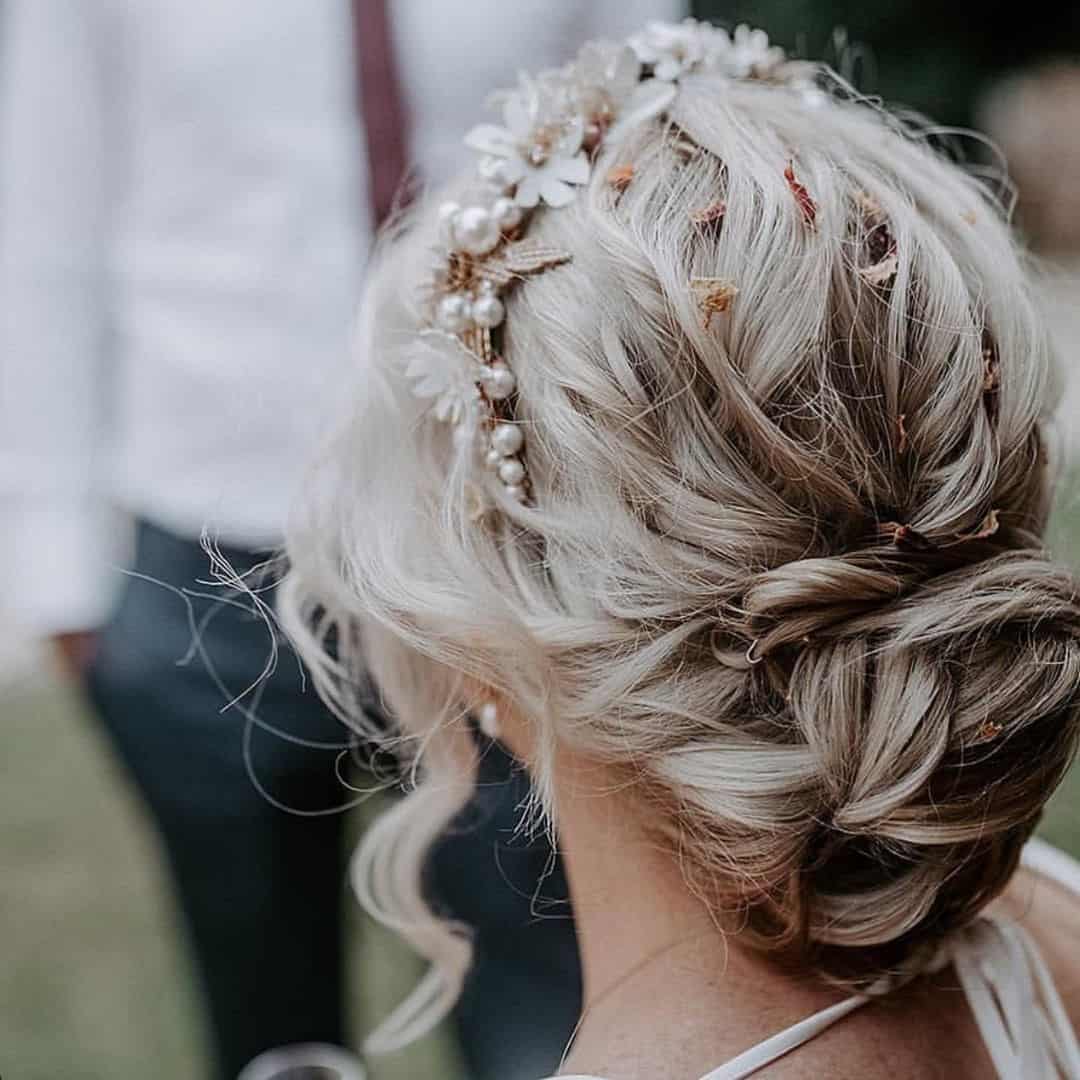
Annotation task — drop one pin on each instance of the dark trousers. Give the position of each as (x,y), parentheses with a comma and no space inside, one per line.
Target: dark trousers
(257,862)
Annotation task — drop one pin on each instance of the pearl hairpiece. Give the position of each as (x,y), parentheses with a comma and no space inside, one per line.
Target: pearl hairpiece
(553,126)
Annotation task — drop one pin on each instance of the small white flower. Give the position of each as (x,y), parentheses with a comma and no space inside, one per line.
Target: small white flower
(673,49)
(607,87)
(751,54)
(612,70)
(446,373)
(543,156)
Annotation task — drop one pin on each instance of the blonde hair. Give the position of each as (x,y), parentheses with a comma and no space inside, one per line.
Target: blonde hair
(784,557)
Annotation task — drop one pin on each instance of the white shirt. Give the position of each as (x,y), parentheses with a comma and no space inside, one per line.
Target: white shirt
(184,228)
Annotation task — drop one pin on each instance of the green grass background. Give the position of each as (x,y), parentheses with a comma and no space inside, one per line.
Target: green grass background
(94,984)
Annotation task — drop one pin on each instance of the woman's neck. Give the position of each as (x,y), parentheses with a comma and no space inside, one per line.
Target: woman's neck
(658,972)
(668,993)
(630,899)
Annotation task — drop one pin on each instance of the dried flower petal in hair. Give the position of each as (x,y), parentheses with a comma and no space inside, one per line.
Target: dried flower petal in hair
(620,176)
(983,531)
(881,257)
(880,273)
(714,295)
(712,214)
(902,433)
(869,206)
(991,372)
(802,196)
(905,537)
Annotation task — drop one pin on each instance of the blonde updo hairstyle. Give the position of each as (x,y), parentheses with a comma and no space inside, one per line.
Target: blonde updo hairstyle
(783,562)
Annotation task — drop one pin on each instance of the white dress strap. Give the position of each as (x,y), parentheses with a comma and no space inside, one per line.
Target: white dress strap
(765,1053)
(1018,1009)
(774,1048)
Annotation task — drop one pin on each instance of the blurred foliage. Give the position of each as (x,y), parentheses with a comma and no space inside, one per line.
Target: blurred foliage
(932,56)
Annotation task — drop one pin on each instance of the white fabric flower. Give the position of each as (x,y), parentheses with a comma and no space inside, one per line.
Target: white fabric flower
(612,70)
(751,54)
(610,76)
(673,49)
(543,156)
(446,373)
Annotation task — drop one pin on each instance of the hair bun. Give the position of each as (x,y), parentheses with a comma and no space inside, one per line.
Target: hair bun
(938,723)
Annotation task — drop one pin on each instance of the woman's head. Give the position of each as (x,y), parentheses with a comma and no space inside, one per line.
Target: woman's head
(779,554)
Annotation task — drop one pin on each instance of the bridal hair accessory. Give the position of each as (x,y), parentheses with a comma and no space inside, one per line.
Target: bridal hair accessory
(554,124)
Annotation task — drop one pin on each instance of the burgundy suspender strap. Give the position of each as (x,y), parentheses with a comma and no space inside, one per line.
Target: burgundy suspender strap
(381,104)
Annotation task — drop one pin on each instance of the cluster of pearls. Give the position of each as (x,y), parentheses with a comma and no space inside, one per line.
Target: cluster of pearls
(504,456)
(459,312)
(478,230)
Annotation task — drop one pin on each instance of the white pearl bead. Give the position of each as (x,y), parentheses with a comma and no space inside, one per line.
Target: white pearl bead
(506,212)
(511,471)
(454,313)
(494,171)
(499,382)
(488,311)
(507,439)
(515,492)
(476,230)
(493,459)
(487,717)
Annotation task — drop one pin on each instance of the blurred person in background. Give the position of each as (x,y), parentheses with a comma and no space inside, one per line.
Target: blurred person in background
(187,198)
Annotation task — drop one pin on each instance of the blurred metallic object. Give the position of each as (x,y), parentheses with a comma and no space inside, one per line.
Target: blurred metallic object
(306,1061)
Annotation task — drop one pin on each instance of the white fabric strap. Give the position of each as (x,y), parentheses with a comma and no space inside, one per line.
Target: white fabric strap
(1018,1009)
(757,1057)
